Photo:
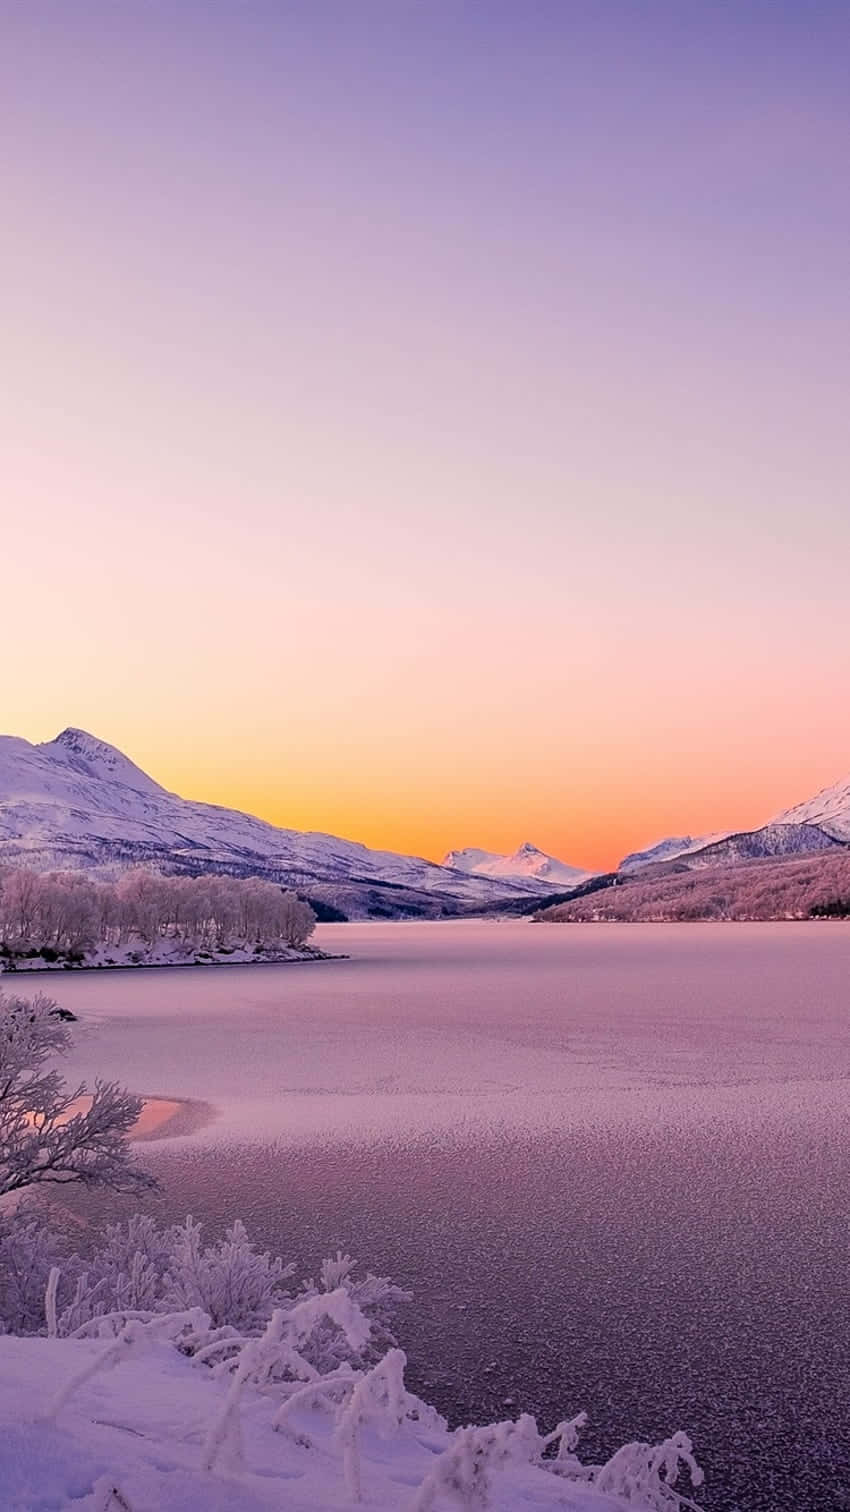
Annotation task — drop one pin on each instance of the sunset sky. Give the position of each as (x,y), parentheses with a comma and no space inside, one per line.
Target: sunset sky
(427,422)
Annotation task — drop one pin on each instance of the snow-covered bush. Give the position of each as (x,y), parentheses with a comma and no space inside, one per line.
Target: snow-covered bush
(377,1296)
(279,1355)
(29,1249)
(642,1474)
(378,1399)
(647,1473)
(326,1347)
(464,1472)
(137,1269)
(230,1280)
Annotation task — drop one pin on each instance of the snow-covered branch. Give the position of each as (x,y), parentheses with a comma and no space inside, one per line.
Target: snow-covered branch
(45,1135)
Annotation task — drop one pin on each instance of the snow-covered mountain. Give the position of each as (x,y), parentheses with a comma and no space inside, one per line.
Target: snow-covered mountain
(76,801)
(829,808)
(725,849)
(527,863)
(817,824)
(807,827)
(663,850)
(775,840)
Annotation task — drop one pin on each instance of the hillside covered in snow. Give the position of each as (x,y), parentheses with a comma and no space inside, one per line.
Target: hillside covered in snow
(797,866)
(792,886)
(829,808)
(78,802)
(527,864)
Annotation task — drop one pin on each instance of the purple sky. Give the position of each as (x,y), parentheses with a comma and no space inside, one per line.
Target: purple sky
(428,422)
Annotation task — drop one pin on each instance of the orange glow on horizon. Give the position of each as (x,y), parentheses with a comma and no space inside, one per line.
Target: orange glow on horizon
(433,476)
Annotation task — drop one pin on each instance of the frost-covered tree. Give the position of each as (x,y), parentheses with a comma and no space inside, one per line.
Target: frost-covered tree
(67,912)
(50,1132)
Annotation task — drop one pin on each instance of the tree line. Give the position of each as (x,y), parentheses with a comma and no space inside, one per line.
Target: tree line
(71,913)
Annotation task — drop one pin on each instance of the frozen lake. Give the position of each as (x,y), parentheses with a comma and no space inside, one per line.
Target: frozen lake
(613,1162)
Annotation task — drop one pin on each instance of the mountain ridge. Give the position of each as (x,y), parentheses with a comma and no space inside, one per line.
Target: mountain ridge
(527,861)
(828,811)
(78,801)
(830,808)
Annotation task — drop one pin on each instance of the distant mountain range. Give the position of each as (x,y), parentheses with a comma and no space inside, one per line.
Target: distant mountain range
(797,867)
(527,862)
(78,802)
(817,824)
(779,838)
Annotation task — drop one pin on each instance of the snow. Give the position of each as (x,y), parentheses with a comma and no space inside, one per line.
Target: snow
(527,863)
(828,811)
(725,848)
(662,850)
(761,844)
(77,801)
(131,955)
(95,758)
(829,808)
(141,1427)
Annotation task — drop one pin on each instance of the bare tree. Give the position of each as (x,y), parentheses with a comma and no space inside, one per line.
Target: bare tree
(69,914)
(45,1134)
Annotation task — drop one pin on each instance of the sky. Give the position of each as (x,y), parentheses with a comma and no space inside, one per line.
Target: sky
(426,422)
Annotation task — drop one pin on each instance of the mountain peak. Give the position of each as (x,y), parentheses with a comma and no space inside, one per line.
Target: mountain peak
(468,859)
(87,754)
(829,808)
(528,863)
(81,742)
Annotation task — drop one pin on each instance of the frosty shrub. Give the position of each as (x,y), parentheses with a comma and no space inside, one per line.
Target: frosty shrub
(45,1133)
(325,1348)
(376,1296)
(28,1252)
(230,1280)
(642,1474)
(280,1356)
(464,1472)
(647,1473)
(138,1269)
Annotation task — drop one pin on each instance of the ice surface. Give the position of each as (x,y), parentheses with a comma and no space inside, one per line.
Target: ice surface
(611,1161)
(483,1026)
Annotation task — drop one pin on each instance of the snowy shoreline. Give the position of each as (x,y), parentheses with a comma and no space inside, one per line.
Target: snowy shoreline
(45,968)
(165,1431)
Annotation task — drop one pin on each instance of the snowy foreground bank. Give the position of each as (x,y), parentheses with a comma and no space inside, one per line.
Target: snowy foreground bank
(166,953)
(107,1425)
